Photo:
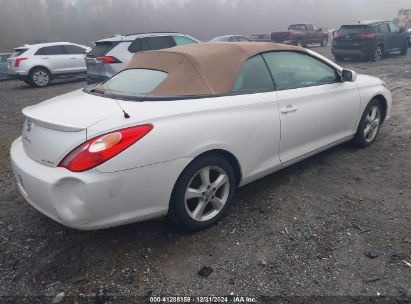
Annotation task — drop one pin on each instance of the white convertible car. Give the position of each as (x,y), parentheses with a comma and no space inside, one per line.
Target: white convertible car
(180,129)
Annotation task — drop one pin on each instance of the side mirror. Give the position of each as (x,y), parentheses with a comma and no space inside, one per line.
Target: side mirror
(348,76)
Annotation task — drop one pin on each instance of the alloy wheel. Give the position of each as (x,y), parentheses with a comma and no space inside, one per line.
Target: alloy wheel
(207,193)
(378,54)
(372,124)
(41,78)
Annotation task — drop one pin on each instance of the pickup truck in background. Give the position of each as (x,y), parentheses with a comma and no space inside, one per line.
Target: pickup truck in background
(301,35)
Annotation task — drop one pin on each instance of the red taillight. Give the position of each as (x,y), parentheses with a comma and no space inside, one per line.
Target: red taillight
(17,62)
(102,148)
(108,59)
(368,36)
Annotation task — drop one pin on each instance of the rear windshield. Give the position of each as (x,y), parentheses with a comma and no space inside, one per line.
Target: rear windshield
(18,52)
(352,30)
(132,82)
(297,27)
(101,49)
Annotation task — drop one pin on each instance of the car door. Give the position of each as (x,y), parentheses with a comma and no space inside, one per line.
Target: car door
(76,59)
(254,86)
(316,107)
(318,35)
(3,65)
(54,58)
(396,37)
(383,33)
(310,34)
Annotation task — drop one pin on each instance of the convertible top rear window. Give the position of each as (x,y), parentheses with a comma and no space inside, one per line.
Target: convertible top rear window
(134,81)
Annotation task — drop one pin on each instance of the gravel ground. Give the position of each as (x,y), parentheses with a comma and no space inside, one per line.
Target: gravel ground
(305,231)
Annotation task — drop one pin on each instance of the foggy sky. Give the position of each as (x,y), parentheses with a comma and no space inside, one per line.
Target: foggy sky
(84,21)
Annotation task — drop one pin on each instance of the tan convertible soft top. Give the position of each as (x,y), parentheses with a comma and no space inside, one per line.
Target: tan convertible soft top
(203,68)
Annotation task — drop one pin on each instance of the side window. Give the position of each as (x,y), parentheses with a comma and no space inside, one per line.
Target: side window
(160,42)
(393,28)
(293,70)
(309,27)
(51,50)
(139,45)
(384,28)
(74,49)
(242,39)
(233,39)
(3,58)
(253,77)
(181,40)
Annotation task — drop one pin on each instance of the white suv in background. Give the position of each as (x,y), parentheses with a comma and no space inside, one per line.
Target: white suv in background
(110,56)
(38,64)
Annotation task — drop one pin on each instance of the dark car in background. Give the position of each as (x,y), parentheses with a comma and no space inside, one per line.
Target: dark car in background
(302,35)
(369,39)
(230,38)
(3,65)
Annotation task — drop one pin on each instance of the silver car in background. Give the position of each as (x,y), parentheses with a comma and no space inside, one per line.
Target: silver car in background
(231,38)
(38,64)
(3,65)
(110,56)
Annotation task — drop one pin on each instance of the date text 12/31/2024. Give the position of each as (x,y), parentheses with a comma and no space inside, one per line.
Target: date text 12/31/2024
(207,299)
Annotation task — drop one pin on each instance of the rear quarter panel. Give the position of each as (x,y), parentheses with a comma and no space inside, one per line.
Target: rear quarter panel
(247,126)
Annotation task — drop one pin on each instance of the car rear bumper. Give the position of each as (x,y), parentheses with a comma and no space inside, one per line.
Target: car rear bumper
(95,200)
(361,52)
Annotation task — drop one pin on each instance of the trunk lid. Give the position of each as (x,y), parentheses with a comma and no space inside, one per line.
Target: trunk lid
(55,127)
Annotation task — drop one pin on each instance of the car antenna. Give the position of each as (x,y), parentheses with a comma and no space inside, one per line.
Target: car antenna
(126,115)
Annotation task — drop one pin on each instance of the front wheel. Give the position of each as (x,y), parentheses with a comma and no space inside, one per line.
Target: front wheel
(203,193)
(378,54)
(300,43)
(324,42)
(370,125)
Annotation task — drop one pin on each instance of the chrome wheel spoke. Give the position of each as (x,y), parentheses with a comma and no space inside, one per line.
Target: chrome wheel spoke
(218,203)
(199,210)
(193,193)
(221,180)
(205,176)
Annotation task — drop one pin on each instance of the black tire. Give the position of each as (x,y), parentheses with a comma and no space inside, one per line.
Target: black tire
(360,139)
(300,43)
(324,42)
(27,82)
(404,49)
(180,208)
(378,54)
(39,77)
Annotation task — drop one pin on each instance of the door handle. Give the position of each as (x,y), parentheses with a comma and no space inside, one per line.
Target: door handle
(288,109)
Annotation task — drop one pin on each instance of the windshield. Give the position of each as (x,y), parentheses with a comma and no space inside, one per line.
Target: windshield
(133,82)
(18,52)
(352,30)
(101,49)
